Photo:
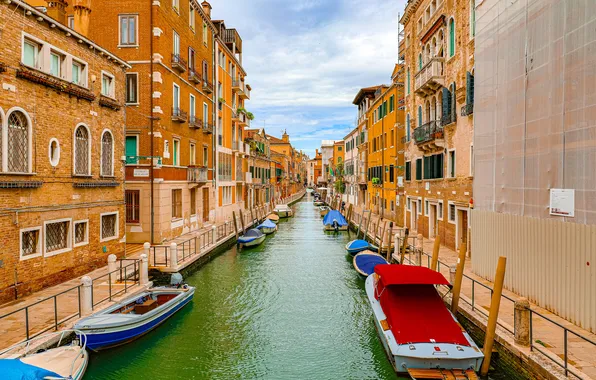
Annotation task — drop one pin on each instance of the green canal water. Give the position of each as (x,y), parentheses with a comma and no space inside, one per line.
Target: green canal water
(292,308)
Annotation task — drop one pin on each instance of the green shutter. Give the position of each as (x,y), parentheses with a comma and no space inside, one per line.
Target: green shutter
(451,38)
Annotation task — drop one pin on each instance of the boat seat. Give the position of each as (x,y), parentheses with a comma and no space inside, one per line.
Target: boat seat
(146,306)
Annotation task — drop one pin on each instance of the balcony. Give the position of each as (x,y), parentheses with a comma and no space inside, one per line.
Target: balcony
(232,40)
(179,116)
(235,115)
(178,63)
(237,85)
(236,146)
(467,110)
(405,140)
(207,86)
(243,120)
(449,118)
(245,94)
(194,77)
(207,127)
(195,123)
(196,175)
(430,78)
(429,136)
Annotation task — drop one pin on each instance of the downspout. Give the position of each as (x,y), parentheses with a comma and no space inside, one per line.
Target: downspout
(214,151)
(151,147)
(383,159)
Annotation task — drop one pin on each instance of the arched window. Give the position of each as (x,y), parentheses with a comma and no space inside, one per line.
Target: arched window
(451,38)
(107,154)
(82,151)
(18,143)
(408,127)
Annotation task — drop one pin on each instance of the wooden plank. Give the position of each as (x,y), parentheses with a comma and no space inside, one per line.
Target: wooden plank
(442,374)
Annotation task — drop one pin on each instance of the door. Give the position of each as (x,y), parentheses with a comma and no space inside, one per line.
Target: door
(432,221)
(205,205)
(131,150)
(414,215)
(461,227)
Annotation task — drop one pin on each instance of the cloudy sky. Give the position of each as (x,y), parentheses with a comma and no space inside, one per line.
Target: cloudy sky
(307,59)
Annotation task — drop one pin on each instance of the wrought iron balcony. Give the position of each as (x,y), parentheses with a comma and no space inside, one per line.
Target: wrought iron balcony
(207,127)
(195,122)
(426,136)
(179,116)
(207,86)
(194,77)
(178,63)
(196,175)
(430,78)
(467,110)
(448,118)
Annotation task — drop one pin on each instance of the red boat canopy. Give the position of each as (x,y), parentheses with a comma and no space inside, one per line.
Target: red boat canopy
(392,274)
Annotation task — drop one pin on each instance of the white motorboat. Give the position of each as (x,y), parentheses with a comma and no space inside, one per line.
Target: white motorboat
(283,211)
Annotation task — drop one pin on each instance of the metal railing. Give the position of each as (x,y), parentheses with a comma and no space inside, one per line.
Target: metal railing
(121,274)
(195,122)
(207,127)
(196,175)
(433,130)
(431,71)
(468,109)
(178,62)
(448,118)
(193,76)
(179,115)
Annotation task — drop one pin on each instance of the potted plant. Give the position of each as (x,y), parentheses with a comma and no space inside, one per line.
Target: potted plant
(222,100)
(376,181)
(250,116)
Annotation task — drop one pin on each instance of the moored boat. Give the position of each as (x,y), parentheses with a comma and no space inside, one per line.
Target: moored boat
(318,202)
(360,245)
(67,362)
(283,211)
(335,221)
(324,210)
(267,227)
(420,335)
(251,238)
(366,261)
(273,217)
(133,317)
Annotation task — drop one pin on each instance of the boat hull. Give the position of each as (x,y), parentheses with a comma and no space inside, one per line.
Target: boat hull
(268,231)
(283,213)
(331,228)
(254,242)
(359,270)
(425,355)
(102,338)
(319,203)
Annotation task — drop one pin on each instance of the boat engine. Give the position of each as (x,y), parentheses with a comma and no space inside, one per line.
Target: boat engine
(335,225)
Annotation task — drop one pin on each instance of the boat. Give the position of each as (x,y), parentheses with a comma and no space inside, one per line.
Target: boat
(273,217)
(319,202)
(324,210)
(251,238)
(421,337)
(366,261)
(283,211)
(133,317)
(335,221)
(27,360)
(267,227)
(359,245)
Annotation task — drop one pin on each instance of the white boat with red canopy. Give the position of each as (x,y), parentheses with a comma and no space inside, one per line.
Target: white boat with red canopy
(421,336)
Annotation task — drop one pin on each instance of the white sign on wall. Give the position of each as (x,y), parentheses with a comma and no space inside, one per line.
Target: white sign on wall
(141,173)
(400,181)
(562,202)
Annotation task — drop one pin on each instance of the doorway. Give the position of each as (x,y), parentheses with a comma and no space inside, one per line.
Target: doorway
(414,215)
(205,204)
(461,227)
(432,221)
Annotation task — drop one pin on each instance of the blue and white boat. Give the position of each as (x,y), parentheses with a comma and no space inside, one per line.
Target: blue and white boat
(335,221)
(267,227)
(366,261)
(251,238)
(360,245)
(133,317)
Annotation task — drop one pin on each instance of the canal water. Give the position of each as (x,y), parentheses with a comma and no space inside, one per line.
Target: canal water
(292,308)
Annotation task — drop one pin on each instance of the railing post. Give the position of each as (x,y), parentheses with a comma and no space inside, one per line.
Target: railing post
(112,265)
(147,249)
(174,256)
(522,322)
(436,247)
(144,270)
(213,234)
(86,295)
(419,250)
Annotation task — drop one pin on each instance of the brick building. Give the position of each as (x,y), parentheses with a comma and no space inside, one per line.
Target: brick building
(438,48)
(62,133)
(260,190)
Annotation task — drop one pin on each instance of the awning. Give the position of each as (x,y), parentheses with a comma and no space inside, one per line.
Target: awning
(393,274)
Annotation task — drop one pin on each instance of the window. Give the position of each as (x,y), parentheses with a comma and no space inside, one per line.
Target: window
(132,88)
(205,156)
(408,82)
(81,233)
(191,18)
(391,173)
(56,64)
(226,192)
(426,207)
(176,44)
(339,149)
(176,97)
(418,169)
(391,103)
(392,138)
(472,19)
(77,73)
(191,105)
(133,201)
(451,214)
(109,226)
(193,153)
(407,127)
(433,166)
(191,59)
(193,201)
(409,204)
(176,156)
(131,149)
(452,164)
(420,61)
(440,211)
(30,243)
(18,141)
(71,22)
(471,160)
(419,206)
(419,116)
(54,152)
(82,151)
(31,54)
(205,34)
(107,85)
(57,237)
(451,37)
(408,171)
(176,5)
(107,154)
(128,30)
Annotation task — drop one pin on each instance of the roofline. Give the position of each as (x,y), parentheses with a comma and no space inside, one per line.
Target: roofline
(364,90)
(33,10)
(352,131)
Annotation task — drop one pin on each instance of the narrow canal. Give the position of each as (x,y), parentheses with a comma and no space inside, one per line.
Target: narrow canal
(292,308)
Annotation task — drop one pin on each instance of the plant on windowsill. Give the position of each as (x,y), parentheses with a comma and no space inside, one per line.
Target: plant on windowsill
(241,110)
(221,100)
(376,181)
(250,115)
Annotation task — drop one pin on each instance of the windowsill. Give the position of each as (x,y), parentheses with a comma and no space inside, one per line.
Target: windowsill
(132,104)
(176,219)
(82,176)
(76,245)
(127,46)
(107,176)
(133,223)
(54,253)
(108,96)
(108,239)
(30,256)
(19,174)
(451,178)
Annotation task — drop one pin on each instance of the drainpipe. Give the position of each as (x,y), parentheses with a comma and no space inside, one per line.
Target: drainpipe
(151,147)
(383,159)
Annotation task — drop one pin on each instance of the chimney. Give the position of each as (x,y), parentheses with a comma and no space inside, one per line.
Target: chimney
(57,10)
(207,8)
(82,11)
(285,138)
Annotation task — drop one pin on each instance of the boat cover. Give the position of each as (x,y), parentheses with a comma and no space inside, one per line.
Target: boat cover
(16,369)
(367,262)
(334,215)
(252,233)
(266,224)
(358,244)
(409,275)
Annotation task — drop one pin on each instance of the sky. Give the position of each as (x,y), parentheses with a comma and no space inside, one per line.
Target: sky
(306,60)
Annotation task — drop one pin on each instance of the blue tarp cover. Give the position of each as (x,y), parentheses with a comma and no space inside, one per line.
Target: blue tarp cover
(366,263)
(14,369)
(358,244)
(253,233)
(334,215)
(266,224)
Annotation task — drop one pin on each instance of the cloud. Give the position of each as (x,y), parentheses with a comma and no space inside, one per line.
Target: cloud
(307,59)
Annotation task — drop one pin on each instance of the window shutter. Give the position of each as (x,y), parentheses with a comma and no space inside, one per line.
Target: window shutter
(439,166)
(469,88)
(427,167)
(446,102)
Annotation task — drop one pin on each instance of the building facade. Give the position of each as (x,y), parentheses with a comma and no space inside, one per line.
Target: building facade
(260,189)
(438,48)
(62,139)
(351,166)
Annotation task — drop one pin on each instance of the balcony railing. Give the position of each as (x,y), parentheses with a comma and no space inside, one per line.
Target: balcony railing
(244,120)
(179,116)
(236,145)
(195,122)
(430,78)
(431,131)
(196,175)
(448,118)
(178,63)
(220,140)
(207,86)
(207,127)
(237,85)
(467,110)
(194,77)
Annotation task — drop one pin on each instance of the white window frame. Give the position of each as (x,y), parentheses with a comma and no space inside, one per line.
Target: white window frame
(70,22)
(38,54)
(176,43)
(192,105)
(205,34)
(54,163)
(174,87)
(112,89)
(117,229)
(409,203)
(426,207)
(61,62)
(449,164)
(193,153)
(176,152)
(440,207)
(449,204)
(449,38)
(101,173)
(74,151)
(86,241)
(176,6)
(68,238)
(419,205)
(205,156)
(126,88)
(82,74)
(128,15)
(191,17)
(39,250)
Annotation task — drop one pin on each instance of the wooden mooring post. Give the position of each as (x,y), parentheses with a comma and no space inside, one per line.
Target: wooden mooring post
(491,326)
(382,239)
(367,225)
(459,277)
(435,259)
(242,221)
(404,245)
(235,224)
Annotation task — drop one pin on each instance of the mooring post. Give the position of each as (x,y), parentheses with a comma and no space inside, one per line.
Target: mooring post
(396,247)
(350,213)
(144,270)
(435,259)
(242,221)
(521,322)
(367,225)
(404,246)
(495,303)
(459,277)
(252,217)
(382,242)
(235,224)
(174,256)
(419,249)
(86,295)
(113,267)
